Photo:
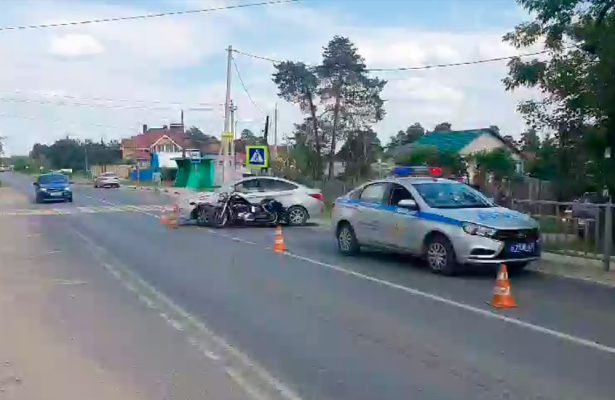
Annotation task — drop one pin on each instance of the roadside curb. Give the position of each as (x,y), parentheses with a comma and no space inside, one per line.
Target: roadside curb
(539,267)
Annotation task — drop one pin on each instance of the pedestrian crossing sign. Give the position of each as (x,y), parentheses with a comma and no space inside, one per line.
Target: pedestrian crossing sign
(257,157)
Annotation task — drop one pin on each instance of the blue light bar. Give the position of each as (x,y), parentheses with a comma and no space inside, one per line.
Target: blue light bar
(402,171)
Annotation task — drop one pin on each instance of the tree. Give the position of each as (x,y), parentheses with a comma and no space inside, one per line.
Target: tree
(529,142)
(412,133)
(359,152)
(430,156)
(350,96)
(198,137)
(443,127)
(249,138)
(72,153)
(577,80)
(297,83)
(497,162)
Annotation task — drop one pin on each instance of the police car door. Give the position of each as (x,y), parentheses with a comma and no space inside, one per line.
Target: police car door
(399,224)
(370,212)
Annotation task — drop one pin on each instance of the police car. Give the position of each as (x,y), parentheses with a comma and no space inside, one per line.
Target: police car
(444,221)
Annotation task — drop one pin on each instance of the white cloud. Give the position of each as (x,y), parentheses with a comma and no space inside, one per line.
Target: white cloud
(154,68)
(75,45)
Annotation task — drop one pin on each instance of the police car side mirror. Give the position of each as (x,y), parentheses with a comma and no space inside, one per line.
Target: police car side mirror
(408,204)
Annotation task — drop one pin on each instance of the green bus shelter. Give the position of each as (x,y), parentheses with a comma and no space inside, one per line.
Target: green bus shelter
(196,176)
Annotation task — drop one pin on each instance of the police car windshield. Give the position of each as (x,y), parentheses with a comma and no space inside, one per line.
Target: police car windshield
(451,195)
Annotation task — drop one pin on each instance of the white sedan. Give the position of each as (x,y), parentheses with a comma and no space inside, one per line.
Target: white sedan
(302,202)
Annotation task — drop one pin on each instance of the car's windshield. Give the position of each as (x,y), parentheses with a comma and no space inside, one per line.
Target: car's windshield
(451,195)
(45,179)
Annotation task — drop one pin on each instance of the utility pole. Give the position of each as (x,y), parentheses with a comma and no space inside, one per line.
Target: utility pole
(275,131)
(233,126)
(227,136)
(85,148)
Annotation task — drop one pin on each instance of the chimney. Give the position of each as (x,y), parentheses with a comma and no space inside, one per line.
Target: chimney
(144,128)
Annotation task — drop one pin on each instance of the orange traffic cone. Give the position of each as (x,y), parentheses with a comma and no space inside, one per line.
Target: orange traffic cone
(502,297)
(173,216)
(164,216)
(279,246)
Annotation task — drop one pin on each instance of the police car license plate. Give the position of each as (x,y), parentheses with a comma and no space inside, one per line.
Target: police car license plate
(522,248)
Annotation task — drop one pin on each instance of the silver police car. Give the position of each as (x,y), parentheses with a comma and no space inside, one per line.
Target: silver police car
(444,221)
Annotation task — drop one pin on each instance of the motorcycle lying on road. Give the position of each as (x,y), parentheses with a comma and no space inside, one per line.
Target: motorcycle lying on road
(234,209)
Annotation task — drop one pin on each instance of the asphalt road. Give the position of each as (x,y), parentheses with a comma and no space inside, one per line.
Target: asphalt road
(316,325)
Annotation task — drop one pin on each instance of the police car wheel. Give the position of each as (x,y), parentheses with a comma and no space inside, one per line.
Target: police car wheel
(440,256)
(346,240)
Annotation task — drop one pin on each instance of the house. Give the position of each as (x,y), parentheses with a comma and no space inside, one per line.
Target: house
(168,141)
(468,142)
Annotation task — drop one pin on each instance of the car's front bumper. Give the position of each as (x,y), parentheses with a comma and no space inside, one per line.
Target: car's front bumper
(471,249)
(51,196)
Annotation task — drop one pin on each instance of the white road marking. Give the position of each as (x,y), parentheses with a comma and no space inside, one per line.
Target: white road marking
(161,301)
(467,307)
(463,306)
(238,379)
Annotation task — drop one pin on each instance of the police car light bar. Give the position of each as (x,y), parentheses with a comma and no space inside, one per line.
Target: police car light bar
(405,171)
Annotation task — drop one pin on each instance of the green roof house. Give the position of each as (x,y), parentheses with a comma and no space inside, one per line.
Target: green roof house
(467,142)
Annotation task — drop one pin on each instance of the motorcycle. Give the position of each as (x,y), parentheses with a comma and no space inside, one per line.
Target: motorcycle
(233,208)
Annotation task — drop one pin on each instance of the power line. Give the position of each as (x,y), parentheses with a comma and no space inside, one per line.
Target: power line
(102,106)
(145,16)
(415,68)
(112,100)
(245,89)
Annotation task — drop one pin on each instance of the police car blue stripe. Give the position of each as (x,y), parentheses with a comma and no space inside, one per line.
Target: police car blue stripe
(420,214)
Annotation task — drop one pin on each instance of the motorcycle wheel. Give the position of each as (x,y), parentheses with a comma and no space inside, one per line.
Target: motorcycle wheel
(220,220)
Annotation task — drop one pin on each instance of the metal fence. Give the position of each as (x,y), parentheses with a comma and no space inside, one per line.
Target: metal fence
(575,229)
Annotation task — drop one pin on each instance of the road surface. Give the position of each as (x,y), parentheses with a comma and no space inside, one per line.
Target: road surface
(312,324)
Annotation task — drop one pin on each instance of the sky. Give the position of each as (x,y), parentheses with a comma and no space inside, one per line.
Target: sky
(104,81)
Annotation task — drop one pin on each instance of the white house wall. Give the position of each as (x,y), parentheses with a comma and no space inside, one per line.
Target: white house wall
(486,142)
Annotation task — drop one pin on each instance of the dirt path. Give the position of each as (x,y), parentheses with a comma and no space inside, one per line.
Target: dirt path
(34,362)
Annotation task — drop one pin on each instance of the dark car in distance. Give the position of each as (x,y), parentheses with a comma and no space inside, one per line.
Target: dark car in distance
(53,187)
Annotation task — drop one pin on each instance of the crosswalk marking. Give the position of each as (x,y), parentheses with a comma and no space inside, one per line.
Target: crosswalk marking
(79,210)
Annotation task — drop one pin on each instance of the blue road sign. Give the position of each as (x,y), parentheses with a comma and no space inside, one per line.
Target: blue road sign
(257,157)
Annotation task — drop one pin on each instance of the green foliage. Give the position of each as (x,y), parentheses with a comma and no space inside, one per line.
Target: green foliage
(348,98)
(412,133)
(198,137)
(577,81)
(350,95)
(359,152)
(443,127)
(72,153)
(498,162)
(432,157)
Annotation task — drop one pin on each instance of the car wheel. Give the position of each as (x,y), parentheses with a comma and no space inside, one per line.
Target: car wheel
(347,241)
(70,199)
(297,215)
(440,256)
(37,199)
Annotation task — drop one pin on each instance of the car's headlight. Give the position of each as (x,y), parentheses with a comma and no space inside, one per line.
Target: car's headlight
(43,189)
(478,230)
(67,189)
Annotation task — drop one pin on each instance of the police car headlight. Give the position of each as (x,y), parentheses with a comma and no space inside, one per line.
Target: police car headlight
(478,230)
